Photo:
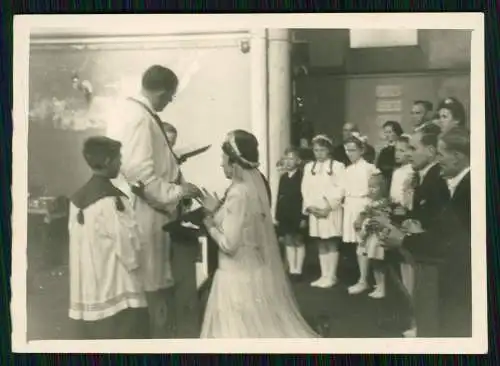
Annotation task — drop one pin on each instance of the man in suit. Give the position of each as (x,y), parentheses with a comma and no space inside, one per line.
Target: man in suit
(339,153)
(421,112)
(430,189)
(447,240)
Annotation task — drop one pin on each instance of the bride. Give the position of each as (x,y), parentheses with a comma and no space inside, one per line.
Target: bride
(250,295)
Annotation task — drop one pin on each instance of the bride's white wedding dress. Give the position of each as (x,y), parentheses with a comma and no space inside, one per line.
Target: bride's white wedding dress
(250,295)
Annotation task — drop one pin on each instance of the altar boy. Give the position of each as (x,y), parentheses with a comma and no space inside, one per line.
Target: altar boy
(106,294)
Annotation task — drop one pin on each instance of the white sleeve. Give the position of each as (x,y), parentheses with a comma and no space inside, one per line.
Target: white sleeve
(133,131)
(228,232)
(336,192)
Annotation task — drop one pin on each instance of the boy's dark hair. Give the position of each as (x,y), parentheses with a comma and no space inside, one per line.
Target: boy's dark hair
(427,105)
(98,149)
(159,78)
(293,150)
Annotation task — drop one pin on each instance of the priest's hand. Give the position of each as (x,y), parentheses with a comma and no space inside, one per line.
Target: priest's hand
(210,202)
(208,221)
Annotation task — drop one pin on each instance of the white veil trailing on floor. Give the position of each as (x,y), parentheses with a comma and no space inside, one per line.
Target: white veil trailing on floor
(278,293)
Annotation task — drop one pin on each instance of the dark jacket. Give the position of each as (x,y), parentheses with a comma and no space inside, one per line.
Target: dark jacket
(289,203)
(430,197)
(447,244)
(386,162)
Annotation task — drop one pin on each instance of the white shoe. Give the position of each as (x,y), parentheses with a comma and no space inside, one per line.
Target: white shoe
(410,333)
(378,293)
(319,282)
(357,288)
(328,282)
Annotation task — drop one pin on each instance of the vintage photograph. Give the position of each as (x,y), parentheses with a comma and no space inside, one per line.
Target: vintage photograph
(265,180)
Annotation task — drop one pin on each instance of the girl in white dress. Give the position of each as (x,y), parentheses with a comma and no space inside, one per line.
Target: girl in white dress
(250,295)
(322,192)
(356,179)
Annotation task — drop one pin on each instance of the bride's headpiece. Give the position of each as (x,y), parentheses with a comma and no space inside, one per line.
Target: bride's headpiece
(232,143)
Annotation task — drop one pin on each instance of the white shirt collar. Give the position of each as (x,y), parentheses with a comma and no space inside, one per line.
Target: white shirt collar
(143,99)
(455,181)
(292,173)
(423,172)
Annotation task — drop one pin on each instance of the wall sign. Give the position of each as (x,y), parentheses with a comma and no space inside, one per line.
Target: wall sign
(388,91)
(384,105)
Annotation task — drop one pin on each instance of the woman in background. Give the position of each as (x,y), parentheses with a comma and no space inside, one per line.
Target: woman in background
(386,161)
(250,295)
(451,114)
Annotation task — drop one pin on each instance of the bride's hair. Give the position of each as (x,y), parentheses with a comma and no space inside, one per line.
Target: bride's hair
(242,148)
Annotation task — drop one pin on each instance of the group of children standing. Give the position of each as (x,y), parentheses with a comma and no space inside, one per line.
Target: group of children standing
(332,203)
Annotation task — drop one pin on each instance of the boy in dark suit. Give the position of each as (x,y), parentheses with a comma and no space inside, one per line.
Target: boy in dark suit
(291,222)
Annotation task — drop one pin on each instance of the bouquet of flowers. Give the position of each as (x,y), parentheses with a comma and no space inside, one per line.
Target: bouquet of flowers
(367,227)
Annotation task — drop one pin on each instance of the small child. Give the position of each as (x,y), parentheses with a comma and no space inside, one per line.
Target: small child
(370,236)
(322,190)
(356,189)
(106,295)
(290,220)
(171,133)
(280,166)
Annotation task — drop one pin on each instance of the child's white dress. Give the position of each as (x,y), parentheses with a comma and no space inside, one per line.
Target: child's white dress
(322,187)
(355,180)
(401,191)
(373,247)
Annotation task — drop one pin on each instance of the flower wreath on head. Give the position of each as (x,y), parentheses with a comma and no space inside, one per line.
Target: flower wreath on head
(329,142)
(359,137)
(231,142)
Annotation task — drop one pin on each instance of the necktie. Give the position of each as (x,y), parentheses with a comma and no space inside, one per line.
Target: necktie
(415,179)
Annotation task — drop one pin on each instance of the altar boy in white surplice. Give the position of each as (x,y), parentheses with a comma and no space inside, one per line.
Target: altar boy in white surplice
(148,160)
(106,295)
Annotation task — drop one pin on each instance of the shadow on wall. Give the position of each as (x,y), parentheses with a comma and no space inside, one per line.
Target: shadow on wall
(55,161)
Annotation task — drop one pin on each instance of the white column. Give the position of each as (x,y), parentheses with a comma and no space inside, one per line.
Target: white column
(279,100)
(259,118)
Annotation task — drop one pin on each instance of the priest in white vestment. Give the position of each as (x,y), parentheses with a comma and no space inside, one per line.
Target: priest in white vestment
(147,159)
